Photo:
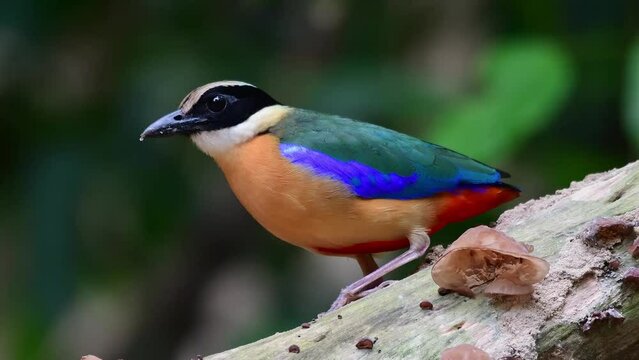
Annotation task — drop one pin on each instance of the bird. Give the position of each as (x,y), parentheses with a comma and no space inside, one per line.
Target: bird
(333,185)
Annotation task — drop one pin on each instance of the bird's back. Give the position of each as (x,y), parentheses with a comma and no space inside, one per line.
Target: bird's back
(375,162)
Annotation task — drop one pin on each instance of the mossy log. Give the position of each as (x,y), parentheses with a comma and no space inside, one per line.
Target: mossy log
(572,314)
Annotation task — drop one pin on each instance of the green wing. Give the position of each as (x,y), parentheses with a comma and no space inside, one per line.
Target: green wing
(375,162)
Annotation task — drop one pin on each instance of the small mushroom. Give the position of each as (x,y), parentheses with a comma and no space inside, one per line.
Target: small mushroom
(483,255)
(426,305)
(365,343)
(464,352)
(607,232)
(611,316)
(634,248)
(631,277)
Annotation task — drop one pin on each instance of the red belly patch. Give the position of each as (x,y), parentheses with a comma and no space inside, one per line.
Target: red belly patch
(452,206)
(465,203)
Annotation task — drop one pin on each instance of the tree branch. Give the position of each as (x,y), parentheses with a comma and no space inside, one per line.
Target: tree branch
(565,317)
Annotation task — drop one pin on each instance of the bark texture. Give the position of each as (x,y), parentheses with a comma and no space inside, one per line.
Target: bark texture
(584,232)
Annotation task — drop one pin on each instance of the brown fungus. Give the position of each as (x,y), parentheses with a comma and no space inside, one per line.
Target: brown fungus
(443,292)
(634,248)
(365,343)
(611,317)
(631,277)
(426,305)
(464,352)
(483,255)
(607,232)
(614,264)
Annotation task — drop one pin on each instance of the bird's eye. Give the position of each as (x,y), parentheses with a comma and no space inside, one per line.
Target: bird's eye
(216,104)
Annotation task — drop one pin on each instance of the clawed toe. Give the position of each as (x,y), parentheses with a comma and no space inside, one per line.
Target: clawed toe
(383,285)
(347,296)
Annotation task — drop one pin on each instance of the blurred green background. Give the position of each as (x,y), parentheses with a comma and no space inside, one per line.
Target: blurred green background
(139,250)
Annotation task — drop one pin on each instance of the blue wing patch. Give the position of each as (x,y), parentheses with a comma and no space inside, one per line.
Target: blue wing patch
(369,183)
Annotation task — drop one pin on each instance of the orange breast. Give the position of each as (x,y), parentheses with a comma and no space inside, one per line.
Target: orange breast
(314,212)
(320,214)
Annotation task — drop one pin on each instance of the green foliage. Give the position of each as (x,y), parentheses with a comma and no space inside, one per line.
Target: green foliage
(373,93)
(523,85)
(632,95)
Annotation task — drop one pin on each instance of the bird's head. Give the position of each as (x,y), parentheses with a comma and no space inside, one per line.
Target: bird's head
(219,116)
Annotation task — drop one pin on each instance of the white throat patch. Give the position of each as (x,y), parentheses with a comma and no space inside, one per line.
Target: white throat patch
(217,142)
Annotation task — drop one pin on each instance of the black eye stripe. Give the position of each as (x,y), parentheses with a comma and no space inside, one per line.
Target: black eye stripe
(202,106)
(226,106)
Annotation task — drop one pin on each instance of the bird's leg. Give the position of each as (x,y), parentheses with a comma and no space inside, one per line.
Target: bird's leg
(368,265)
(419,242)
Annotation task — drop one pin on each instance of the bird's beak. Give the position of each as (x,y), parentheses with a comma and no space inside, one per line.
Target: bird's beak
(173,123)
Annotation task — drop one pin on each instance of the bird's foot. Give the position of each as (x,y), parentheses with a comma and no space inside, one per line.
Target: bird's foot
(419,242)
(382,285)
(347,295)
